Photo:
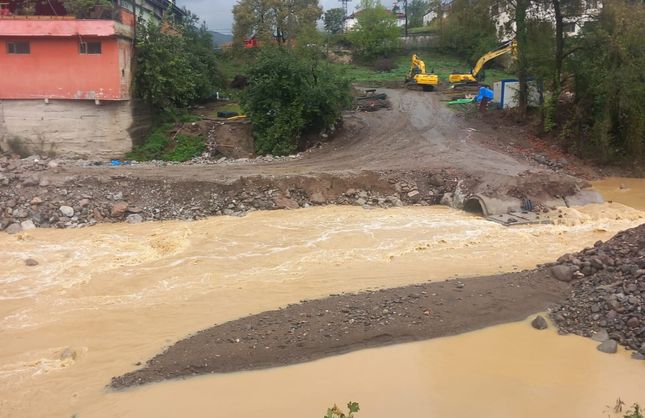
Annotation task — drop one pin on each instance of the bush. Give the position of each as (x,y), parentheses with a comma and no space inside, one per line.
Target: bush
(289,94)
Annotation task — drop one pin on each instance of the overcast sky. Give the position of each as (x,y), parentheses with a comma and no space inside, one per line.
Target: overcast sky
(218,14)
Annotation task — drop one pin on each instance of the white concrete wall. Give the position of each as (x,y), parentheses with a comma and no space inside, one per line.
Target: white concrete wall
(70,128)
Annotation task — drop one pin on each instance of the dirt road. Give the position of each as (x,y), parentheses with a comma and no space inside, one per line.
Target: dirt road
(418,133)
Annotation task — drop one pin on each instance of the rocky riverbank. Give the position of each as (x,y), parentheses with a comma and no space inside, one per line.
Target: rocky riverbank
(607,300)
(37,192)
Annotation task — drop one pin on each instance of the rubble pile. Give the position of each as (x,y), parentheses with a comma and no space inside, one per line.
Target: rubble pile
(607,300)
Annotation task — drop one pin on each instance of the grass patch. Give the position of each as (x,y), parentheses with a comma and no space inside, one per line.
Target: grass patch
(423,30)
(167,144)
(441,64)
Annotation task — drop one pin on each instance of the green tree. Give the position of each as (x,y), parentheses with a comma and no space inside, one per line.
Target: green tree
(608,120)
(176,65)
(82,8)
(278,19)
(468,30)
(334,20)
(289,94)
(376,32)
(416,10)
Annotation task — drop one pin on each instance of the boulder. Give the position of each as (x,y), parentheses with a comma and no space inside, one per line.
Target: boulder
(600,336)
(317,197)
(609,346)
(539,323)
(30,262)
(562,272)
(282,202)
(27,225)
(13,229)
(118,209)
(135,218)
(67,211)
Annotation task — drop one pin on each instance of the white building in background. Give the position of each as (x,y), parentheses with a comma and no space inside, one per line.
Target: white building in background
(352,20)
(432,14)
(572,26)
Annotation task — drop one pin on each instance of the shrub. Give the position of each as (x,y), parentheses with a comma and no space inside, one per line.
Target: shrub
(289,94)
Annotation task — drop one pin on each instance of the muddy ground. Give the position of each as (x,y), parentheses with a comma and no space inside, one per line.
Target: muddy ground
(343,323)
(418,152)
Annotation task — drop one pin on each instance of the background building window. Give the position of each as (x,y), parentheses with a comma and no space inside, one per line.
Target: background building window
(90,48)
(21,47)
(569,27)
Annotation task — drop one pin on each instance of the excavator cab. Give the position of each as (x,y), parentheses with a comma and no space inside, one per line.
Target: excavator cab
(418,75)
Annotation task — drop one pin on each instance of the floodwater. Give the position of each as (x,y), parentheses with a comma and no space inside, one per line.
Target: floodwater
(628,191)
(107,297)
(506,371)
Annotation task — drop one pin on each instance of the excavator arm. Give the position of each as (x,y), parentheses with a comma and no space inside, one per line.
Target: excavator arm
(509,47)
(418,65)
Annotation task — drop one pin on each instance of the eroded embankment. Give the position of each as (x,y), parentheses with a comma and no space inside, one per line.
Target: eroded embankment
(343,323)
(34,193)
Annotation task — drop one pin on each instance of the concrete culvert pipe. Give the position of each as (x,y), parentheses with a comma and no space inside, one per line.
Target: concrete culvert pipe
(474,205)
(488,206)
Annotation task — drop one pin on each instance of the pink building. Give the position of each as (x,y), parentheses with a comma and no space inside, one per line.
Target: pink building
(65,58)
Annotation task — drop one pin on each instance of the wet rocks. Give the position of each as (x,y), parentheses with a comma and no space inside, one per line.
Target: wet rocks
(609,346)
(30,262)
(539,323)
(13,229)
(607,302)
(600,336)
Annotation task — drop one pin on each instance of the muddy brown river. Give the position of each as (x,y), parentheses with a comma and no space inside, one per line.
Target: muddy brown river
(105,298)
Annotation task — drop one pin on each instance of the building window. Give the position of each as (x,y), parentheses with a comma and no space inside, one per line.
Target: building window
(90,47)
(21,47)
(569,27)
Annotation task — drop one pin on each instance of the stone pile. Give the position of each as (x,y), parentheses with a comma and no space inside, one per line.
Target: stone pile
(35,193)
(607,300)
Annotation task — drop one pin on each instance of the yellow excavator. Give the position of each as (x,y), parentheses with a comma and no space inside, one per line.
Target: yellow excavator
(417,75)
(475,74)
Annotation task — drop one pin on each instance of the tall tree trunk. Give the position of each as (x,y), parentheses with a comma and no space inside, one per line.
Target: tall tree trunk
(522,62)
(548,121)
